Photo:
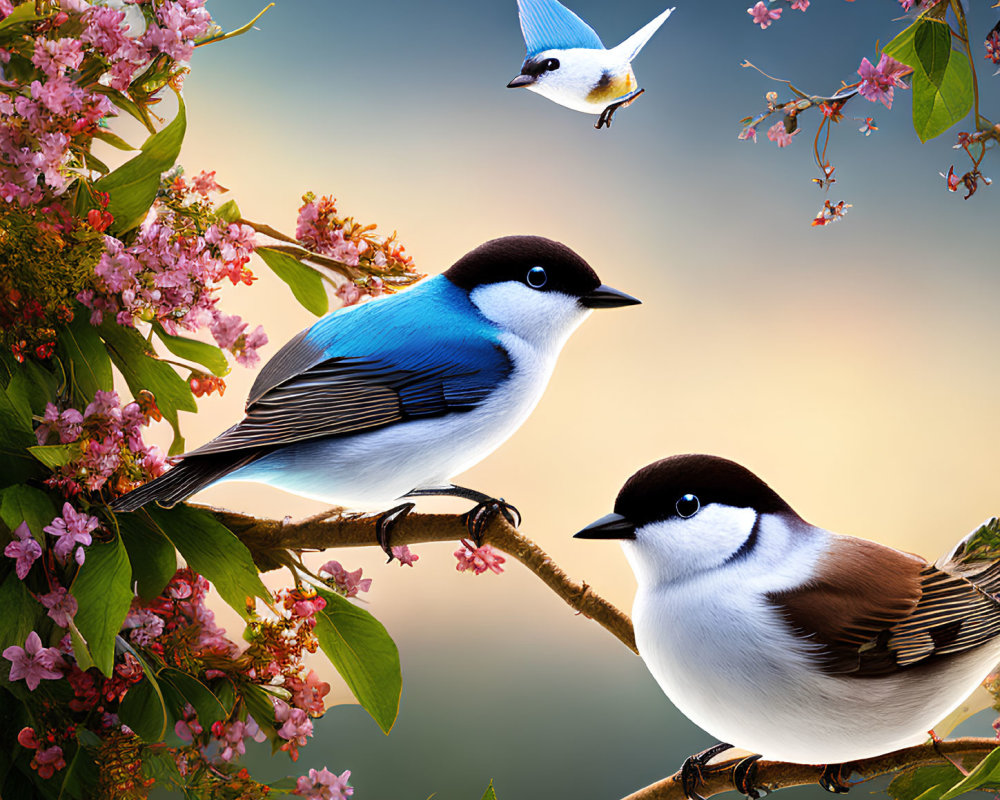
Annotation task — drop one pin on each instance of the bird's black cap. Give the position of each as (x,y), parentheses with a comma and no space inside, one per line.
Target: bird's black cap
(652,493)
(512,257)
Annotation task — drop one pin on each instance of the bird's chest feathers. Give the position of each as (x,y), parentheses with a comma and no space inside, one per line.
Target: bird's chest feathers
(611,87)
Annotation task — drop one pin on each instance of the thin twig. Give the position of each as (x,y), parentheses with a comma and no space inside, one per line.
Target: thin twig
(267,539)
(773,775)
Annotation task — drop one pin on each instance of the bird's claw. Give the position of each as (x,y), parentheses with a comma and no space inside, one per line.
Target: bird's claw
(693,770)
(745,777)
(834,778)
(385,523)
(478,519)
(607,115)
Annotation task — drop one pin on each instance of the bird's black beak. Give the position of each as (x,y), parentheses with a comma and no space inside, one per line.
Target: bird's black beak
(606,297)
(612,526)
(521,80)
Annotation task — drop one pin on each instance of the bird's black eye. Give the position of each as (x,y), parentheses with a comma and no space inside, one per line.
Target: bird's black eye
(536,277)
(687,506)
(550,64)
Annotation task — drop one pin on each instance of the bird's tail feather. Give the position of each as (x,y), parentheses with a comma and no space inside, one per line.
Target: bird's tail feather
(192,475)
(633,44)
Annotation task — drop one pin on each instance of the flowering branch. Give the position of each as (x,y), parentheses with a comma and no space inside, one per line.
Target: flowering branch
(771,775)
(269,540)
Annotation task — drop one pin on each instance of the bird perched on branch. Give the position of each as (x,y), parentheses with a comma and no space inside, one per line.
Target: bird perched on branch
(567,63)
(788,640)
(388,400)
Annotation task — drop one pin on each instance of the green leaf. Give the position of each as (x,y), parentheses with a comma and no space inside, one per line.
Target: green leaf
(228,211)
(21,503)
(31,387)
(144,710)
(103,591)
(126,104)
(113,139)
(941,80)
(134,184)
(212,550)
(193,691)
(142,370)
(152,555)
(208,355)
(985,772)
(86,357)
(364,655)
(912,783)
(489,794)
(84,660)
(219,37)
(26,12)
(16,465)
(20,611)
(260,707)
(55,455)
(305,282)
(81,776)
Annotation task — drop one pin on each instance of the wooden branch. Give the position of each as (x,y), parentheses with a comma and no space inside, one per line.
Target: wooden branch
(773,775)
(267,539)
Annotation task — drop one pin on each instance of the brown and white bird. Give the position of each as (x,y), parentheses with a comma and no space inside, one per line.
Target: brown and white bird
(788,640)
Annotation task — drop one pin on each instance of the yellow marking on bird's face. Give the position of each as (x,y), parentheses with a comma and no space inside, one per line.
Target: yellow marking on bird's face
(610,88)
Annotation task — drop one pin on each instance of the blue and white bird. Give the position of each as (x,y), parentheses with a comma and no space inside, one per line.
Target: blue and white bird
(568,63)
(388,400)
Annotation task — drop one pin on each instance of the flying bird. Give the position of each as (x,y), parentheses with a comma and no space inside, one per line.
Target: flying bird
(389,399)
(567,62)
(788,640)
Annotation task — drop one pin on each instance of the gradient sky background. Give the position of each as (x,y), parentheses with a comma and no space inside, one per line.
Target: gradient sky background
(852,367)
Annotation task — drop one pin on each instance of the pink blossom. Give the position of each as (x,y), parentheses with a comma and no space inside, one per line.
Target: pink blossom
(748,133)
(230,738)
(777,134)
(72,528)
(246,348)
(308,694)
(324,785)
(762,15)
(33,662)
(404,556)
(877,82)
(478,559)
(48,761)
(349,293)
(800,5)
(204,183)
(61,604)
(295,726)
(24,549)
(65,424)
(227,330)
(144,626)
(344,582)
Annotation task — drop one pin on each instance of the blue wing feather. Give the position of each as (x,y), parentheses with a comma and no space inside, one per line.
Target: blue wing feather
(549,25)
(424,353)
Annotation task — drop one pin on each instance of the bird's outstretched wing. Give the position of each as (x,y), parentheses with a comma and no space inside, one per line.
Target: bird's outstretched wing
(630,48)
(549,25)
(879,610)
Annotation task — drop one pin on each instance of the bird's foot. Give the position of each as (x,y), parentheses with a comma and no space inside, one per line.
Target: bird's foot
(385,523)
(835,778)
(478,519)
(745,777)
(694,769)
(607,115)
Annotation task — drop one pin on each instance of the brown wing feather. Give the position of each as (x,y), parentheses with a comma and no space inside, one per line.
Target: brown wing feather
(873,610)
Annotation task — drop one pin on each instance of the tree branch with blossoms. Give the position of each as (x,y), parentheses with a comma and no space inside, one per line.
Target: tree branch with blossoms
(935,51)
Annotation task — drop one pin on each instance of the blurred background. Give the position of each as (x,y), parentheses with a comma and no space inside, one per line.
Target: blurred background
(853,367)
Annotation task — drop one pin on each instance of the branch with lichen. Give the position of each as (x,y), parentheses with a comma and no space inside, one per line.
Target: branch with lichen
(772,775)
(270,541)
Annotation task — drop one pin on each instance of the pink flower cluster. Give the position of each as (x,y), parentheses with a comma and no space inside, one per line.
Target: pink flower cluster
(993,45)
(478,559)
(181,606)
(44,117)
(320,231)
(295,726)
(33,663)
(324,785)
(343,582)
(877,82)
(170,273)
(72,531)
(47,760)
(110,446)
(763,14)
(778,134)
